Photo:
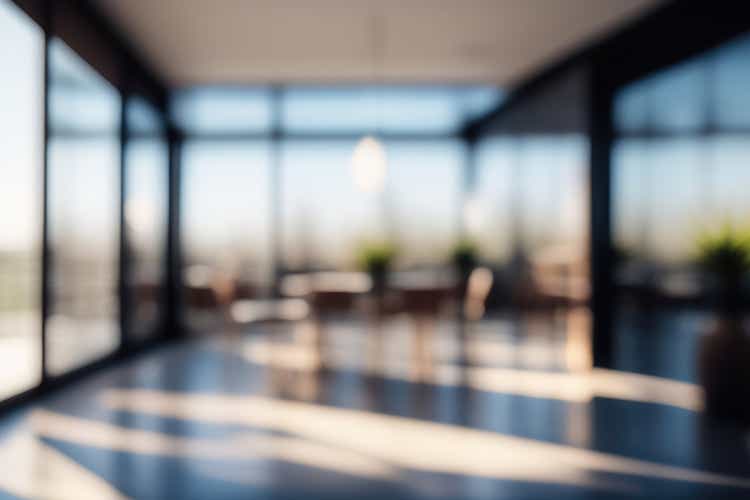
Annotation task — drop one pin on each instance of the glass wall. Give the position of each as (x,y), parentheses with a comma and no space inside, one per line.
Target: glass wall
(21,147)
(418,110)
(83,210)
(324,216)
(269,186)
(529,213)
(424,192)
(528,208)
(146,193)
(226,228)
(222,110)
(680,169)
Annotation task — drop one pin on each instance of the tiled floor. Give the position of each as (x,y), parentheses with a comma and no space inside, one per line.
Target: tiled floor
(253,415)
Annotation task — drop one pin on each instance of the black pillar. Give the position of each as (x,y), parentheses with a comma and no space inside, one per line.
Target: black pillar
(125,255)
(600,131)
(173,323)
(277,264)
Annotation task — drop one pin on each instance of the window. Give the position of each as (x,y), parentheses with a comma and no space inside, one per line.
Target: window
(679,165)
(324,216)
(529,209)
(226,224)
(222,110)
(268,186)
(146,197)
(423,196)
(84,149)
(21,146)
(393,110)
(489,213)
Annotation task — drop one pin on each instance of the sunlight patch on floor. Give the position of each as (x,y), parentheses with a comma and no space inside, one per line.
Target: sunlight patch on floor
(243,446)
(35,470)
(409,443)
(577,387)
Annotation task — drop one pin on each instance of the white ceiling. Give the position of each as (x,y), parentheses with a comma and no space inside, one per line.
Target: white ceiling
(243,41)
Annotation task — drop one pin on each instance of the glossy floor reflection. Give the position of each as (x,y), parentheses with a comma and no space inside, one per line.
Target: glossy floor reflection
(268,413)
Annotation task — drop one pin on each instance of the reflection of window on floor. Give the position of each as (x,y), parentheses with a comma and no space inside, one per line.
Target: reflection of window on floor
(21,127)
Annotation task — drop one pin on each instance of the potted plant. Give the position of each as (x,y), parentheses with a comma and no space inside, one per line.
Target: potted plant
(725,256)
(724,353)
(376,259)
(465,258)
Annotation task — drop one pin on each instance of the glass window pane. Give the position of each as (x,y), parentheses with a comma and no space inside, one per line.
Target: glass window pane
(678,98)
(21,146)
(226,200)
(329,109)
(416,110)
(728,175)
(488,215)
(666,193)
(731,95)
(423,199)
(631,185)
(678,177)
(146,197)
(143,119)
(219,110)
(84,214)
(668,190)
(529,213)
(324,216)
(551,181)
(78,103)
(552,213)
(477,101)
(663,202)
(631,108)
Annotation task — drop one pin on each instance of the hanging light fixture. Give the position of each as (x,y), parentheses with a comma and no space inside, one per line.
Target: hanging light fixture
(369,159)
(369,164)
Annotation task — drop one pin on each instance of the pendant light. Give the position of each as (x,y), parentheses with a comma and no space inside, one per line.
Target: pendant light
(369,159)
(369,164)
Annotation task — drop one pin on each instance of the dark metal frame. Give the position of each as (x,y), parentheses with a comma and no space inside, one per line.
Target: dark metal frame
(124,261)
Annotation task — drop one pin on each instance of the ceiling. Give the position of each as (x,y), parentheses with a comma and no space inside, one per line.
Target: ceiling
(328,41)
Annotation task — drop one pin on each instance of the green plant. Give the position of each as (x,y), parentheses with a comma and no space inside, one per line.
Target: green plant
(376,257)
(725,253)
(465,253)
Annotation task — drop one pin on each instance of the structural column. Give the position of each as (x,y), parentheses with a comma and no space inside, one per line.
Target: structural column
(600,132)
(173,326)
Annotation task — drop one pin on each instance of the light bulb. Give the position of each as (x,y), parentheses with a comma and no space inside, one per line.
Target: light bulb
(369,164)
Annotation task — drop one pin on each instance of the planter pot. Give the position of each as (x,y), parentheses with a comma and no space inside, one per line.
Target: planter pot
(379,277)
(724,370)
